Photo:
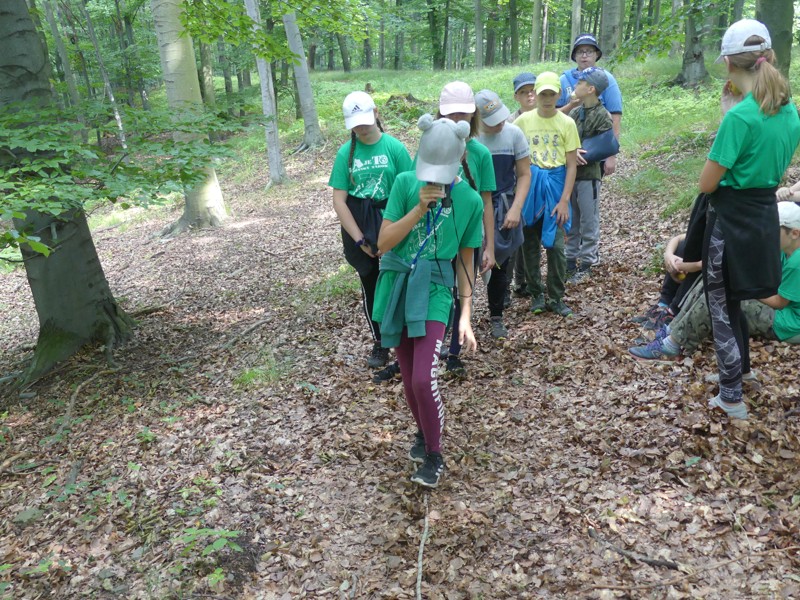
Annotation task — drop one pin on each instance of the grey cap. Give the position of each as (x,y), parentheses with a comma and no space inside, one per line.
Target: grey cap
(524,79)
(594,76)
(441,148)
(491,108)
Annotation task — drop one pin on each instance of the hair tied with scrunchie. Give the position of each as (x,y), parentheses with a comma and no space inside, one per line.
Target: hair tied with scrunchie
(760,60)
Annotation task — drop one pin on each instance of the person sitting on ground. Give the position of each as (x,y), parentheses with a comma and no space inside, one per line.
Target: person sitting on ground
(512,171)
(776,317)
(592,119)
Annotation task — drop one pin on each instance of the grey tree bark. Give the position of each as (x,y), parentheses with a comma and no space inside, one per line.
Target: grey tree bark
(73,300)
(693,70)
(312,134)
(513,24)
(204,205)
(536,32)
(342,41)
(69,76)
(576,27)
(778,16)
(276,171)
(207,70)
(610,26)
(478,35)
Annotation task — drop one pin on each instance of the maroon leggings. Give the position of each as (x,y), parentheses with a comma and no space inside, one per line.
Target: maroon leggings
(419,362)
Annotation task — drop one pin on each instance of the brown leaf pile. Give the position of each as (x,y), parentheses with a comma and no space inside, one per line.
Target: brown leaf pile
(244,404)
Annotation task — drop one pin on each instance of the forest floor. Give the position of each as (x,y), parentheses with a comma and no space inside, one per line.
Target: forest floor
(239,448)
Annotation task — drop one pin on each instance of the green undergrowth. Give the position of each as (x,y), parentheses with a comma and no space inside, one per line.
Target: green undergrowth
(340,283)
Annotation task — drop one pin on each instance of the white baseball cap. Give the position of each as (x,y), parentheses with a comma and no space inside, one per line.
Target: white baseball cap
(789,215)
(456,97)
(735,38)
(358,109)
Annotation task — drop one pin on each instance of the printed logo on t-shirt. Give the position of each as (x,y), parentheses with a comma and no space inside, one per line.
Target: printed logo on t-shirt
(419,233)
(368,175)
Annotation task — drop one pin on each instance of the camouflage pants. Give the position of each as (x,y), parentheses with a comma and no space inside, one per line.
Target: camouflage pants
(693,324)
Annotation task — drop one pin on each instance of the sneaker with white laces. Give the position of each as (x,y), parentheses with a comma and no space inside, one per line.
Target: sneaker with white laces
(752,376)
(499,331)
(417,453)
(735,410)
(655,350)
(430,472)
(378,357)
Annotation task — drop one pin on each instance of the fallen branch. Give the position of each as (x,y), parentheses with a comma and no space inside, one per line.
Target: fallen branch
(147,310)
(694,573)
(7,462)
(653,562)
(246,332)
(71,404)
(422,551)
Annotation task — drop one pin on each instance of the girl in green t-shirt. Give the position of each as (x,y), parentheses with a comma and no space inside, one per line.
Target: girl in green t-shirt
(432,218)
(362,177)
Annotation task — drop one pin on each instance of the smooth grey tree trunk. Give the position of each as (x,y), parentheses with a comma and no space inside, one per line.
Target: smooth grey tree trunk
(610,26)
(478,35)
(312,134)
(73,300)
(207,69)
(576,27)
(778,16)
(536,32)
(204,205)
(276,172)
(69,76)
(344,51)
(693,70)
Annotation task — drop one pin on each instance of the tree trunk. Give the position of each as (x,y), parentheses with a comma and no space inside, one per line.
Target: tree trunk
(225,64)
(382,43)
(123,48)
(204,206)
(479,35)
(738,10)
(312,56)
(276,172)
(513,25)
(637,25)
(207,71)
(399,40)
(73,300)
(367,53)
(778,16)
(610,26)
(331,59)
(693,71)
(462,52)
(134,54)
(491,36)
(577,26)
(69,76)
(344,51)
(545,31)
(312,134)
(536,32)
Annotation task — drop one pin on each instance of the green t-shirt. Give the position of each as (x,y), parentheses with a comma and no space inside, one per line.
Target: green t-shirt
(787,320)
(754,147)
(456,227)
(481,167)
(375,168)
(549,138)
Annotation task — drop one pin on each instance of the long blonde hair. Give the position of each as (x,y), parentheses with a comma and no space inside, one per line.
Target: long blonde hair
(770,88)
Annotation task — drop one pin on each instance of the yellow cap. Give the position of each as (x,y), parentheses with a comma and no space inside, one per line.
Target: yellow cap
(548,81)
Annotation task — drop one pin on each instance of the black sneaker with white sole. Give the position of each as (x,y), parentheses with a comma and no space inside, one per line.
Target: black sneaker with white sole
(387,373)
(417,452)
(430,472)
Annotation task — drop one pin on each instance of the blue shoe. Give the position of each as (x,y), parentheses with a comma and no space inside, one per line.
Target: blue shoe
(655,350)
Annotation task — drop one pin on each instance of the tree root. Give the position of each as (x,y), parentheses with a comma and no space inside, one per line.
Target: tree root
(71,405)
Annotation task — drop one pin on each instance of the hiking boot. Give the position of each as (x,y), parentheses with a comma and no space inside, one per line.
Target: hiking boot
(499,331)
(417,452)
(657,322)
(455,366)
(558,307)
(522,291)
(750,377)
(430,472)
(655,350)
(378,357)
(649,314)
(387,373)
(578,276)
(538,304)
(735,410)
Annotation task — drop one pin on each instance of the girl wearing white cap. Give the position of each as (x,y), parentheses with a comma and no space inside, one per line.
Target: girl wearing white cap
(363,173)
(457,103)
(741,248)
(433,219)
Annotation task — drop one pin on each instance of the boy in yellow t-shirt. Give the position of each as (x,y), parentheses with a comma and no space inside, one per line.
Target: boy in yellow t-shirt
(554,142)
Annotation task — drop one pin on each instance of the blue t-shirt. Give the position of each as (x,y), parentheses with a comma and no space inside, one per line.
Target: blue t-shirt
(611,97)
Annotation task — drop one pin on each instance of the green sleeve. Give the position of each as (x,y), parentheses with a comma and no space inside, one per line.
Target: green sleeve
(731,139)
(397,206)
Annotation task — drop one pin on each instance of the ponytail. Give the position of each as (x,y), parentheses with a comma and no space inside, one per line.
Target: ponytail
(770,88)
(468,174)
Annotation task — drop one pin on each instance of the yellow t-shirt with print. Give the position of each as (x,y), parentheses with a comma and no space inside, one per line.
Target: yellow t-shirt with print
(549,138)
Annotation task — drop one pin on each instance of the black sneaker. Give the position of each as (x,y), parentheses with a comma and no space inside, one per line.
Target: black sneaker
(455,366)
(378,357)
(417,453)
(522,291)
(663,318)
(430,472)
(387,373)
(507,298)
(651,313)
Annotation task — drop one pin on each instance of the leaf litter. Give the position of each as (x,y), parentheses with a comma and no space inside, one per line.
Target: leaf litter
(244,406)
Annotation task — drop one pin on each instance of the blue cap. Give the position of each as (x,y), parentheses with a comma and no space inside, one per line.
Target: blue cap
(523,79)
(585,39)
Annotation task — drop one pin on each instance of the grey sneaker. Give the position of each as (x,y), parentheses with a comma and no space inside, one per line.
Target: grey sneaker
(378,357)
(417,453)
(499,331)
(538,304)
(430,472)
(735,410)
(746,377)
(579,276)
(560,308)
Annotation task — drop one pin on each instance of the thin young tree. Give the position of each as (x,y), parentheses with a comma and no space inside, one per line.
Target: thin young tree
(204,205)
(778,16)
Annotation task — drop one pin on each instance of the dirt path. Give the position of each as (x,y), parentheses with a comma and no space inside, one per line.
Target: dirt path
(244,404)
